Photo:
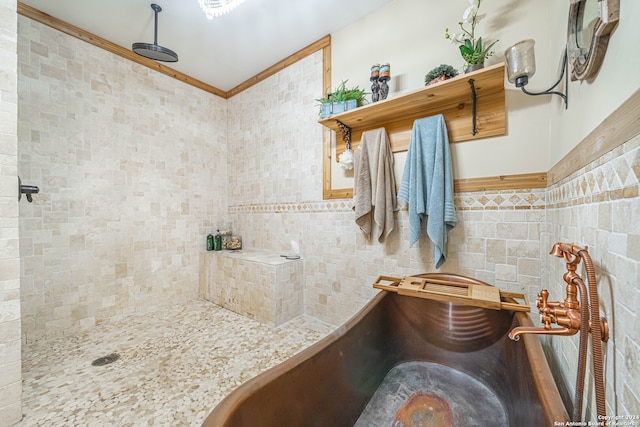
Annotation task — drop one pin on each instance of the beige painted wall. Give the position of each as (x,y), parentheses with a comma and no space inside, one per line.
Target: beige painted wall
(10,344)
(591,101)
(409,34)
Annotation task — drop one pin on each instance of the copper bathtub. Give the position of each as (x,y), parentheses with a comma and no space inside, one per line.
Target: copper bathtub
(331,382)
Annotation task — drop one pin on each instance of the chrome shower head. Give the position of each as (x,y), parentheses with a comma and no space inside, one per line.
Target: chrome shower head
(154,51)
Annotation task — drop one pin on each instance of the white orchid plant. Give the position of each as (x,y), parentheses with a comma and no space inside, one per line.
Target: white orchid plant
(471,49)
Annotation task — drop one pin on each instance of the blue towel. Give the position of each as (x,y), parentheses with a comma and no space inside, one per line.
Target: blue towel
(427,184)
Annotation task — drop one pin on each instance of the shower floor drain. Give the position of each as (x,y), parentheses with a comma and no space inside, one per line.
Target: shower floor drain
(105,360)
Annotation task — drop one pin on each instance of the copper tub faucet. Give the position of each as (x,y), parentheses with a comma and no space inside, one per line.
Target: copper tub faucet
(566,314)
(575,315)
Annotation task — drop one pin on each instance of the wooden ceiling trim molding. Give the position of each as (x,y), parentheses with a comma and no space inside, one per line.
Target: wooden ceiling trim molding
(71,30)
(66,28)
(288,61)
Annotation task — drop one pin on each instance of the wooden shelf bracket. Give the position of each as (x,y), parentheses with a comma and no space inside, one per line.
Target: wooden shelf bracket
(346,133)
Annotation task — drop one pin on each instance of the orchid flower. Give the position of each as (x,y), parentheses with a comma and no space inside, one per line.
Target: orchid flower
(471,49)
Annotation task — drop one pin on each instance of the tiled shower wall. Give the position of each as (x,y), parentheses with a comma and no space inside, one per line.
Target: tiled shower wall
(497,240)
(131,166)
(10,356)
(275,184)
(598,206)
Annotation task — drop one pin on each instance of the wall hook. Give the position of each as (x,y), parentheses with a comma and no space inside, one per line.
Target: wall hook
(474,129)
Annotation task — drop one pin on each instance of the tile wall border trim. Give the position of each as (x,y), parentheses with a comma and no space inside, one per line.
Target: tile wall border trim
(614,176)
(619,127)
(531,199)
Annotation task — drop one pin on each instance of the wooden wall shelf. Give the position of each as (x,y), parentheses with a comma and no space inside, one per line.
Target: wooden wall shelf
(452,98)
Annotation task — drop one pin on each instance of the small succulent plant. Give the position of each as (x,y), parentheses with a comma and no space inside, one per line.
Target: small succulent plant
(342,94)
(441,72)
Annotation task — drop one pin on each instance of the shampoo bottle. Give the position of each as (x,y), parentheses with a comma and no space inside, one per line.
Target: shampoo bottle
(217,246)
(210,242)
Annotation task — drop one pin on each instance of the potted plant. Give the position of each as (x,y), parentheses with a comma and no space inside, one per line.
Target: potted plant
(342,99)
(473,51)
(440,73)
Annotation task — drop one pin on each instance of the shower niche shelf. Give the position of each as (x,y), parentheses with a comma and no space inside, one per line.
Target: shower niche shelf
(473,106)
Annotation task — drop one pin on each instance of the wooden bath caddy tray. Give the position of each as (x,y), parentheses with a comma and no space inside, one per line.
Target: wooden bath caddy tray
(448,291)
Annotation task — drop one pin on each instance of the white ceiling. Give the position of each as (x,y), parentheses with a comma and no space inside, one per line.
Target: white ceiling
(225,51)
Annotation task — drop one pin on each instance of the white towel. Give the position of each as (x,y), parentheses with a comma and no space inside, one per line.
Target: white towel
(374,188)
(427,184)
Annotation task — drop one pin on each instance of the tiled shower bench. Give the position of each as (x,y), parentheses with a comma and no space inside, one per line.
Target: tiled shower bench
(258,284)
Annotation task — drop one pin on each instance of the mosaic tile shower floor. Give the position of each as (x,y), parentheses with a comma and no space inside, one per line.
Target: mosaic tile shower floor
(175,365)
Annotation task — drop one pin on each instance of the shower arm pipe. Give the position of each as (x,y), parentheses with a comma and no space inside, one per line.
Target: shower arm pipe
(156,9)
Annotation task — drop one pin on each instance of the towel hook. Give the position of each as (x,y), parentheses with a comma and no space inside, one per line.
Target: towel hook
(473,107)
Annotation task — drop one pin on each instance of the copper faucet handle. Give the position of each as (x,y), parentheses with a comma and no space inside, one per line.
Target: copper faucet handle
(542,301)
(543,308)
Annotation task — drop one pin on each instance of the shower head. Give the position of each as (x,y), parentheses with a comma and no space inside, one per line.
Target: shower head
(154,51)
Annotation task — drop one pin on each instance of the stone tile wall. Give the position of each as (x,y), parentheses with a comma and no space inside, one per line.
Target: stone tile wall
(10,345)
(598,207)
(275,153)
(498,243)
(134,170)
(131,166)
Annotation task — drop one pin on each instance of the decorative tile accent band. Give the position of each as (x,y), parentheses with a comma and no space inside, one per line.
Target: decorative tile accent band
(487,200)
(343,205)
(504,199)
(614,176)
